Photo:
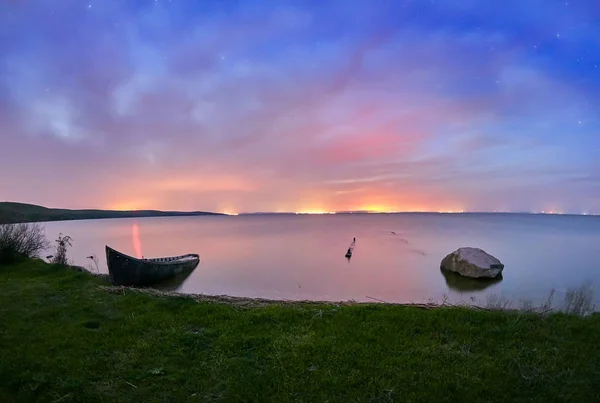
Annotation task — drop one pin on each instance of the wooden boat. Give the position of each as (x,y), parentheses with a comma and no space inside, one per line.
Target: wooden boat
(131,271)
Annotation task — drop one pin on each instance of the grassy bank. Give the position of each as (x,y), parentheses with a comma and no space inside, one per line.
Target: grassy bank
(64,338)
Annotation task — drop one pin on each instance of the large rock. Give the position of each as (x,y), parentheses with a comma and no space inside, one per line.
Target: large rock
(472,262)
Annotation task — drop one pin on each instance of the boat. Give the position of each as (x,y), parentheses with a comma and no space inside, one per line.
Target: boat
(130,271)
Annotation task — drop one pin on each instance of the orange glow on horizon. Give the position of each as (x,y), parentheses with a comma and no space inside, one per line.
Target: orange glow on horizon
(363,208)
(382,208)
(314,201)
(128,206)
(314,212)
(376,208)
(231,194)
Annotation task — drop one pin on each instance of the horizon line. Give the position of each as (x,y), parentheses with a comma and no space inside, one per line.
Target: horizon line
(409,212)
(317,212)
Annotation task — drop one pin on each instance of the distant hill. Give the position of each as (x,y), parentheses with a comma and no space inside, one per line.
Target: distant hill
(20,212)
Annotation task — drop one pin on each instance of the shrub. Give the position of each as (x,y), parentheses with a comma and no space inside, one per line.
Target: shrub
(19,241)
(579,301)
(60,256)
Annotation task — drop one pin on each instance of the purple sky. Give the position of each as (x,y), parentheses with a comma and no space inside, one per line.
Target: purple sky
(301,105)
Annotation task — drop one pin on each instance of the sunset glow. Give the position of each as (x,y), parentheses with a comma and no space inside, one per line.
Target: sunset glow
(125,206)
(307,107)
(135,239)
(315,212)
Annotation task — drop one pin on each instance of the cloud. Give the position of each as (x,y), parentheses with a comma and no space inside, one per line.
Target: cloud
(252,108)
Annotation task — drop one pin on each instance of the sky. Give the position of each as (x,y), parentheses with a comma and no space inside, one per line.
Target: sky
(305,106)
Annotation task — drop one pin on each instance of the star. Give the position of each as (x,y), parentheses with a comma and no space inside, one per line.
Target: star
(558,35)
(89,6)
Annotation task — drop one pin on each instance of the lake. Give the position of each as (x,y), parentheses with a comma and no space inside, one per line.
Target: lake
(396,259)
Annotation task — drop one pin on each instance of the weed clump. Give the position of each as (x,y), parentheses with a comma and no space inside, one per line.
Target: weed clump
(60,256)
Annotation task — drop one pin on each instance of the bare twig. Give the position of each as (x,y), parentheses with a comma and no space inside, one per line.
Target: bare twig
(375,299)
(93,268)
(62,398)
(547,306)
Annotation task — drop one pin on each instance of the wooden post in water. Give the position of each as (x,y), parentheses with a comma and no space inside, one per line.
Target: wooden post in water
(351,249)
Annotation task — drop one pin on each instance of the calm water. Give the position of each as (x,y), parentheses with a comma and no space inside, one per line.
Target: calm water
(302,257)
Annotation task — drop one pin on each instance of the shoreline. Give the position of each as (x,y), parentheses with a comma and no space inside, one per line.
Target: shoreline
(498,303)
(257,302)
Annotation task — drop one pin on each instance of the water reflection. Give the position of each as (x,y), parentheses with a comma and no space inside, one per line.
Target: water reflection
(300,257)
(457,282)
(135,240)
(175,283)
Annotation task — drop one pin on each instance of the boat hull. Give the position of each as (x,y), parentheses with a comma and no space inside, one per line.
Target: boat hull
(129,271)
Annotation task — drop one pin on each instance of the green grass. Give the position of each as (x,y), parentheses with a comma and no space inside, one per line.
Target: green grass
(62,338)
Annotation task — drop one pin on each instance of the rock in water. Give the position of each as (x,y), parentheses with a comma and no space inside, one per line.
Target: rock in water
(472,262)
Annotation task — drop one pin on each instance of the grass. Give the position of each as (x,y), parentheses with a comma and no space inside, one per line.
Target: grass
(65,338)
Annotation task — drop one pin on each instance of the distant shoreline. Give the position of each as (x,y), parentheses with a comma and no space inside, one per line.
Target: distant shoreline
(426,212)
(11,213)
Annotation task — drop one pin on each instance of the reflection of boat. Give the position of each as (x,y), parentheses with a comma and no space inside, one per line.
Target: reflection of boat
(128,270)
(461,283)
(174,283)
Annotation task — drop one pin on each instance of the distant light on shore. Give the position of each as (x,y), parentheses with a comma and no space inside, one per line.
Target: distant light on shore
(587,213)
(314,212)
